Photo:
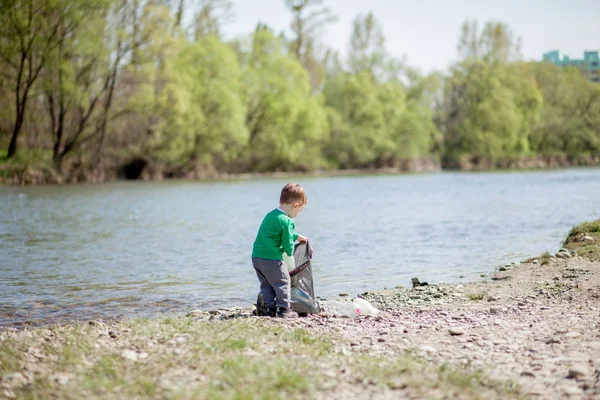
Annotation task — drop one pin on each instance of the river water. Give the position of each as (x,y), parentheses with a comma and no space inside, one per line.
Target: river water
(145,248)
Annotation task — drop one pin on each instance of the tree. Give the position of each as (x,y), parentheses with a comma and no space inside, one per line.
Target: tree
(210,17)
(310,17)
(367,47)
(286,124)
(569,125)
(495,43)
(488,113)
(30,32)
(72,82)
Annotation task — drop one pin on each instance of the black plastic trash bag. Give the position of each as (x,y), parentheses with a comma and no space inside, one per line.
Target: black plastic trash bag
(303,291)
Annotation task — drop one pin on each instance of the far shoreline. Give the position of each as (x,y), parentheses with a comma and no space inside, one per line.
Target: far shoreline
(250,176)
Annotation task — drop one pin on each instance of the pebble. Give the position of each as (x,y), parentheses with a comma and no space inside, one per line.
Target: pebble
(573,391)
(428,349)
(572,334)
(61,379)
(14,380)
(576,371)
(495,310)
(587,238)
(456,331)
(129,355)
(195,313)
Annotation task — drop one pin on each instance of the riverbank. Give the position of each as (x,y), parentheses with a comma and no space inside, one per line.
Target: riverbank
(20,173)
(531,331)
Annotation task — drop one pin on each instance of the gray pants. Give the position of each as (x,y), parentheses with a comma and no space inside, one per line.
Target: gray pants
(275,282)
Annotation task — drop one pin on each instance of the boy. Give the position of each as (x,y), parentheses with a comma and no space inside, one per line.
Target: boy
(276,235)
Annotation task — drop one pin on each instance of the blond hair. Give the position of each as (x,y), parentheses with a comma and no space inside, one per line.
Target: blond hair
(291,193)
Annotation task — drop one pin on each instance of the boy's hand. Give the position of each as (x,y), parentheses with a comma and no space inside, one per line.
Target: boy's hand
(302,239)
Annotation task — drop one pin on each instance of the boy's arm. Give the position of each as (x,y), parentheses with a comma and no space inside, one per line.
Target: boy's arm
(288,238)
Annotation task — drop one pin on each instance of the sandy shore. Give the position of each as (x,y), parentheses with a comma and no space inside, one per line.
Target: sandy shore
(536,325)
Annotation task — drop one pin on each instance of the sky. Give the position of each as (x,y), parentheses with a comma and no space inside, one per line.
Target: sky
(427,31)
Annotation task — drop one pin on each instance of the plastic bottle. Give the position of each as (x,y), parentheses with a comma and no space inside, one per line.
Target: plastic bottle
(365,307)
(346,308)
(289,261)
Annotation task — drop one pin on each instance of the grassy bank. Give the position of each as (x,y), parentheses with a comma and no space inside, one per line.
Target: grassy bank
(585,240)
(180,358)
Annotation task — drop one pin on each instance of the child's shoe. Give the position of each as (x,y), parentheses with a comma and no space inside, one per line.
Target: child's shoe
(271,312)
(286,313)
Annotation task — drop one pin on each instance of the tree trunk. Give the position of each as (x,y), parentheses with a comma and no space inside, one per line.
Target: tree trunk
(12,147)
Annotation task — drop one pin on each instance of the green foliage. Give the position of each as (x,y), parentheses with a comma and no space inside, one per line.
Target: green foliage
(488,113)
(105,81)
(201,105)
(374,125)
(286,123)
(570,119)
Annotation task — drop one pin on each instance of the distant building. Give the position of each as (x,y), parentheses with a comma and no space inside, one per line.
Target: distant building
(590,62)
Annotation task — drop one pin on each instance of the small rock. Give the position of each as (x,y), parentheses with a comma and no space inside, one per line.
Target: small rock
(573,391)
(572,334)
(344,294)
(492,298)
(535,261)
(563,254)
(502,269)
(528,373)
(437,295)
(129,355)
(381,340)
(113,334)
(495,310)
(428,349)
(195,313)
(379,318)
(96,323)
(552,340)
(576,371)
(588,238)
(456,331)
(594,345)
(61,379)
(13,380)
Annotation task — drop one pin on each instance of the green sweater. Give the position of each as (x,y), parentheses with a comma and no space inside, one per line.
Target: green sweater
(275,235)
